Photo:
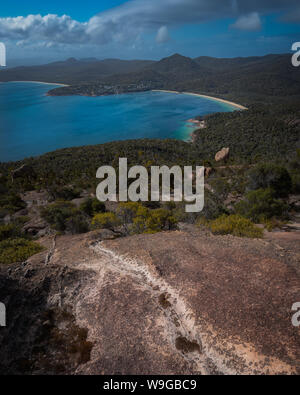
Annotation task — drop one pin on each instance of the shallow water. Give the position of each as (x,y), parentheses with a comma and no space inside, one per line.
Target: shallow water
(32,123)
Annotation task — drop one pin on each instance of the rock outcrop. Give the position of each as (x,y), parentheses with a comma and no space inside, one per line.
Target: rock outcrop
(222,155)
(182,302)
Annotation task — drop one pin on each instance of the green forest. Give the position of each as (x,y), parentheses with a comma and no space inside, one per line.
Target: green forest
(256,184)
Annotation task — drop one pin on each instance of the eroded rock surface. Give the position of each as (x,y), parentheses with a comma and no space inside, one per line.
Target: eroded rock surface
(222,155)
(181,302)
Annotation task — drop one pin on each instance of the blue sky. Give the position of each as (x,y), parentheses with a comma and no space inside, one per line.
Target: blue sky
(37,32)
(76,9)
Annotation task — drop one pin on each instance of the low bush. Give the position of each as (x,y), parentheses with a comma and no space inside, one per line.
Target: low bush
(235,225)
(269,176)
(63,193)
(105,221)
(18,250)
(77,224)
(23,219)
(294,170)
(91,207)
(56,214)
(11,203)
(261,205)
(136,218)
(153,221)
(221,187)
(65,217)
(9,231)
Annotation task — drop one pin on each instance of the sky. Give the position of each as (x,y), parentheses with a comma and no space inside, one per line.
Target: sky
(37,31)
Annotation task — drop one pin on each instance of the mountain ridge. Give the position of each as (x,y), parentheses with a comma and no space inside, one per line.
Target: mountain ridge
(245,80)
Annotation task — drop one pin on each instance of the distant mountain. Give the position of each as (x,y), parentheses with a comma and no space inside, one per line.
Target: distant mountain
(73,71)
(245,79)
(175,68)
(176,64)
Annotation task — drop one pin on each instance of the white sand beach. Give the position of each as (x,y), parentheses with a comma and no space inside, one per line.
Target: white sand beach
(41,82)
(239,106)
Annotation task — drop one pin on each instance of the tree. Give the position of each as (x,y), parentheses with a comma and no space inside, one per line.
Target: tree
(271,176)
(260,205)
(92,207)
(105,221)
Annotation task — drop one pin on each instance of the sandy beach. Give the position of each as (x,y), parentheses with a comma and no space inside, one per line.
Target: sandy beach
(41,82)
(239,106)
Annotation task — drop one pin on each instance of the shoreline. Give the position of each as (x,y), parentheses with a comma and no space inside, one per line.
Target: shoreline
(37,82)
(236,105)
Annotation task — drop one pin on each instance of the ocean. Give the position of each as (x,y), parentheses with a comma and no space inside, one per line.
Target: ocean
(32,123)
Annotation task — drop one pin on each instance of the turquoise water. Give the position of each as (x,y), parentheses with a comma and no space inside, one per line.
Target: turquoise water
(32,123)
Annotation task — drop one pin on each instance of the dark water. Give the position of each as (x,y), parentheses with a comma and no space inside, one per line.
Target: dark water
(32,123)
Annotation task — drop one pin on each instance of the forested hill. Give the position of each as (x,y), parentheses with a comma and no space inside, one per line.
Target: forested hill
(73,71)
(247,80)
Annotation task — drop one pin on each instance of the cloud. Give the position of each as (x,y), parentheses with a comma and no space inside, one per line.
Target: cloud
(50,27)
(292,17)
(127,22)
(162,35)
(249,22)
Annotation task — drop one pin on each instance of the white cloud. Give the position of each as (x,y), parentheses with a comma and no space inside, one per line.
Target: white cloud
(249,22)
(62,29)
(123,24)
(162,35)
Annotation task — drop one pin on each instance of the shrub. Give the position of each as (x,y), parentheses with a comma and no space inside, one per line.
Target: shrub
(139,221)
(17,250)
(213,207)
(77,224)
(92,207)
(153,221)
(221,187)
(64,216)
(9,231)
(63,193)
(11,203)
(296,182)
(23,219)
(151,205)
(105,221)
(235,225)
(137,218)
(56,214)
(126,213)
(160,219)
(260,205)
(269,176)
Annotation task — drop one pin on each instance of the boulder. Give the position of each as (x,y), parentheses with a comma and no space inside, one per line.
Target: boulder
(222,155)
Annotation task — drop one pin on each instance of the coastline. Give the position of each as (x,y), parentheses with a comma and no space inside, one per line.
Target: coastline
(236,105)
(37,82)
